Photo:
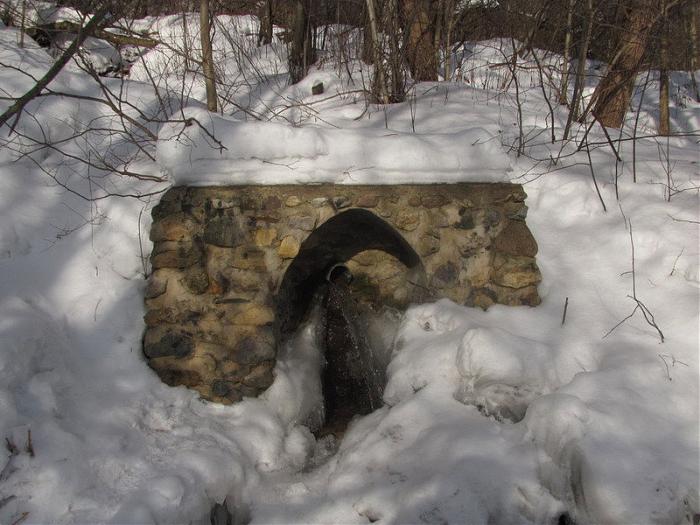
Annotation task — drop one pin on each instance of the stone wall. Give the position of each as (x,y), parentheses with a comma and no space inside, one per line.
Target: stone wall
(220,286)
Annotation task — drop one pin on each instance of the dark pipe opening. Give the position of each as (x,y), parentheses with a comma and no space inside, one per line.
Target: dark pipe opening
(338,239)
(352,379)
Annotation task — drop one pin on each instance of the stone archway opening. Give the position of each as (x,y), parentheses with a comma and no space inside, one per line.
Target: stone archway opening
(321,279)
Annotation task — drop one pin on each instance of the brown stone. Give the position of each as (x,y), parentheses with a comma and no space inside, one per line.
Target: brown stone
(196,279)
(434,200)
(255,315)
(515,272)
(260,376)
(292,201)
(169,254)
(516,239)
(407,220)
(428,245)
(367,201)
(265,237)
(289,247)
(157,285)
(481,298)
(176,227)
(272,203)
(244,258)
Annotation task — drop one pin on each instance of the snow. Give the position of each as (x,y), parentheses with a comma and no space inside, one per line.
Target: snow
(212,150)
(503,416)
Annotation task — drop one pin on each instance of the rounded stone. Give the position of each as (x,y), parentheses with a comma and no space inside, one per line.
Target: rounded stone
(407,220)
(265,236)
(516,239)
(292,201)
(289,247)
(172,344)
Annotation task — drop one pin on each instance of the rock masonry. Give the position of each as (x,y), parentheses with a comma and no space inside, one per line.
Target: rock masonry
(220,254)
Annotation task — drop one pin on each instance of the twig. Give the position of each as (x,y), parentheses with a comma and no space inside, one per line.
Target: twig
(21,518)
(673,270)
(563,317)
(648,316)
(29,448)
(683,220)
(595,182)
(11,447)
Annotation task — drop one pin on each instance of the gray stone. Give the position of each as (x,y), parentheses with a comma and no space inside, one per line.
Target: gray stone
(223,231)
(341,201)
(221,387)
(170,345)
(302,222)
(156,286)
(492,218)
(447,273)
(250,350)
(196,280)
(466,220)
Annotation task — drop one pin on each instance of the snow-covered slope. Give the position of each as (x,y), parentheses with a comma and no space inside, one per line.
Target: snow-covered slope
(504,416)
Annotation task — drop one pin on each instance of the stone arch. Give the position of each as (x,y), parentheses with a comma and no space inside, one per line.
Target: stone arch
(336,241)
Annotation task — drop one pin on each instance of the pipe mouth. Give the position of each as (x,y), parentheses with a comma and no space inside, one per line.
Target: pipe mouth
(339,273)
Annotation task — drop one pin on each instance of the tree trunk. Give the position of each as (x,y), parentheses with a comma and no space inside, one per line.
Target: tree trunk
(207,55)
(397,83)
(265,34)
(379,87)
(421,54)
(449,25)
(693,35)
(613,93)
(22,28)
(367,37)
(664,118)
(301,54)
(580,71)
(563,95)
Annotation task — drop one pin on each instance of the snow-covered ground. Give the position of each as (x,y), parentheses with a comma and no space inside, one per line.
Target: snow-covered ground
(504,416)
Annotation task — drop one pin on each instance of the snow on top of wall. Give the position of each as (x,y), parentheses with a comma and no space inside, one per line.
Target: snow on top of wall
(206,149)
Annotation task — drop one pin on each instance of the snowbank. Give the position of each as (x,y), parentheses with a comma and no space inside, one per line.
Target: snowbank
(209,149)
(504,416)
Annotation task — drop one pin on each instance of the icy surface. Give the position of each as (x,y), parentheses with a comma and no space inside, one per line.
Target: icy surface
(504,416)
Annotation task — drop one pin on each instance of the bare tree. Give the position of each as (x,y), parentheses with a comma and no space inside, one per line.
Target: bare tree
(207,55)
(664,117)
(381,90)
(567,53)
(265,34)
(421,52)
(613,93)
(694,51)
(301,53)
